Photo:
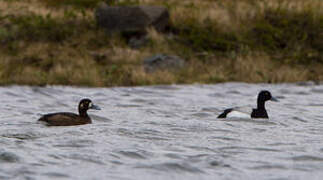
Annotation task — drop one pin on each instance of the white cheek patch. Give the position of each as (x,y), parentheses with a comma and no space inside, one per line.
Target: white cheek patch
(90,105)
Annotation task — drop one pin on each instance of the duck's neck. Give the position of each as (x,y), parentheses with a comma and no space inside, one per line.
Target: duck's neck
(83,113)
(260,104)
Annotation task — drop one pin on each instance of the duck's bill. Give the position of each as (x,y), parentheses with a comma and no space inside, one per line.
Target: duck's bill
(95,107)
(274,99)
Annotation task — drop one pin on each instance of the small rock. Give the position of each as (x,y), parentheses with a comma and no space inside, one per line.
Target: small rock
(163,62)
(131,18)
(138,42)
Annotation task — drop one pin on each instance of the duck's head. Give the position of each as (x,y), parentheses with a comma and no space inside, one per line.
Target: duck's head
(266,96)
(86,104)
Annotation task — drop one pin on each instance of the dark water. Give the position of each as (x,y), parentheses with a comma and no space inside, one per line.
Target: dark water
(163,132)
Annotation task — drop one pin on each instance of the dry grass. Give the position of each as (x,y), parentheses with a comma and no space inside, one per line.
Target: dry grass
(25,7)
(85,55)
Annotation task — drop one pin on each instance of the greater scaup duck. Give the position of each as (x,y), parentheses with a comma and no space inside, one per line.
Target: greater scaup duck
(260,112)
(70,119)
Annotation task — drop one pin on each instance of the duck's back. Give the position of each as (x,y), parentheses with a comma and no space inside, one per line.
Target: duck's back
(225,113)
(64,119)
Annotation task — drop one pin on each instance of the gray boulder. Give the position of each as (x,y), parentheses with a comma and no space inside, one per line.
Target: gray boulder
(131,18)
(163,62)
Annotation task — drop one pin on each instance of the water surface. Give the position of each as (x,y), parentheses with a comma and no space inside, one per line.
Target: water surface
(163,132)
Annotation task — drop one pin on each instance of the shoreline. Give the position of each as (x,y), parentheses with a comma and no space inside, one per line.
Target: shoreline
(300,83)
(59,43)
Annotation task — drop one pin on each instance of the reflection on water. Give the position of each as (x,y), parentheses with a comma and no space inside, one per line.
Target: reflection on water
(163,132)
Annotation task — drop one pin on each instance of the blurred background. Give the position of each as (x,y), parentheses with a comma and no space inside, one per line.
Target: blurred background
(113,43)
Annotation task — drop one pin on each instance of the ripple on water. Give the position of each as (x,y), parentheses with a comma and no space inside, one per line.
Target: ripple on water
(242,149)
(269,167)
(219,164)
(202,115)
(23,136)
(139,100)
(163,132)
(224,138)
(173,155)
(317,90)
(165,87)
(139,154)
(200,148)
(307,158)
(24,171)
(100,118)
(282,144)
(128,105)
(232,150)
(215,95)
(306,83)
(247,120)
(56,175)
(5,177)
(12,94)
(8,157)
(225,131)
(233,92)
(86,158)
(299,119)
(172,167)
(151,137)
(265,149)
(76,143)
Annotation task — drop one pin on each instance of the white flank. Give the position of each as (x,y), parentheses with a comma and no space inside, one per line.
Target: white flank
(238,114)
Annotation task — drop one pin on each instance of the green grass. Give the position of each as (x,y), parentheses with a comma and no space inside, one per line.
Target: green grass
(37,28)
(207,37)
(287,32)
(72,3)
(282,32)
(88,4)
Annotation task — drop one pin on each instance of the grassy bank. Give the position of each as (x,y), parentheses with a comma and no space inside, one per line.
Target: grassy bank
(58,42)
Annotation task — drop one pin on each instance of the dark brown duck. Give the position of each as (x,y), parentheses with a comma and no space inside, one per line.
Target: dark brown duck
(71,119)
